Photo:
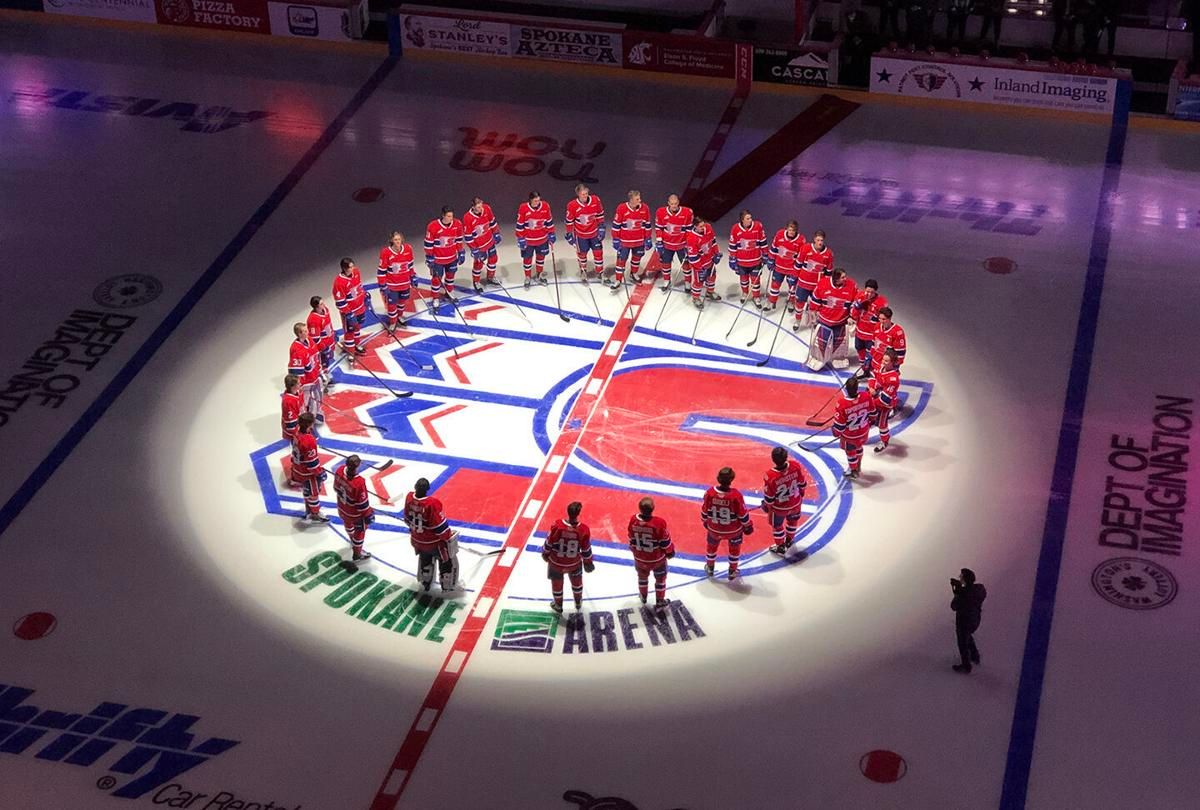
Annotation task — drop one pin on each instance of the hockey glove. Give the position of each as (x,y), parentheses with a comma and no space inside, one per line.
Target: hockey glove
(480,256)
(369,518)
(570,237)
(733,263)
(749,529)
(600,233)
(462,256)
(521,244)
(670,553)
(589,566)
(647,244)
(720,256)
(429,264)
(498,238)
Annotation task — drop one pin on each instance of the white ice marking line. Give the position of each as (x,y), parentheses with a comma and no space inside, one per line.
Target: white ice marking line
(394,782)
(591,388)
(425,721)
(555,464)
(508,558)
(531,509)
(482,606)
(455,661)
(614,348)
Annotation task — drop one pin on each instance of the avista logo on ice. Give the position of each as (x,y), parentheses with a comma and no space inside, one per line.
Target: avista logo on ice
(150,745)
(191,117)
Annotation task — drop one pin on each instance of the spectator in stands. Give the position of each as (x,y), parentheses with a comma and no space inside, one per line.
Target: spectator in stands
(918,18)
(1064,23)
(992,12)
(957,12)
(1110,10)
(1091,18)
(889,18)
(858,43)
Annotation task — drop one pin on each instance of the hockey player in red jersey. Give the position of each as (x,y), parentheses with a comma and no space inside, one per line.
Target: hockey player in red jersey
(395,278)
(320,335)
(631,236)
(884,386)
(351,303)
(852,423)
(535,235)
(815,264)
(783,497)
(568,550)
(888,335)
(291,405)
(308,469)
(672,224)
(703,258)
(865,313)
(724,516)
(482,234)
(747,247)
(445,250)
(788,247)
(650,542)
(832,301)
(353,505)
(585,230)
(431,537)
(304,360)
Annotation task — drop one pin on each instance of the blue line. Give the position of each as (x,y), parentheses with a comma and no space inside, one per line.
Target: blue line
(1045,590)
(58,454)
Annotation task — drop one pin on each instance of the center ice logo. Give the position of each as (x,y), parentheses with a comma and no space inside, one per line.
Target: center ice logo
(489,400)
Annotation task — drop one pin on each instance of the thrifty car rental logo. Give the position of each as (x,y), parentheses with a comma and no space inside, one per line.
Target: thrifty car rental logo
(149,744)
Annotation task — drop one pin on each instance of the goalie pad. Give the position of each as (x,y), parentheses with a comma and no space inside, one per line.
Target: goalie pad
(827,344)
(425,570)
(448,567)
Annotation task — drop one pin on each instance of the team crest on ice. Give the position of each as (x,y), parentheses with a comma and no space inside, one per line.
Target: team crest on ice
(490,394)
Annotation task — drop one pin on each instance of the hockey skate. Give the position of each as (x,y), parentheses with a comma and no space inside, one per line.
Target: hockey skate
(758,304)
(879,448)
(363,557)
(768,307)
(712,296)
(541,279)
(490,281)
(662,605)
(556,607)
(709,569)
(733,574)
(698,303)
(314,518)
(478,287)
(614,286)
(850,474)
(528,283)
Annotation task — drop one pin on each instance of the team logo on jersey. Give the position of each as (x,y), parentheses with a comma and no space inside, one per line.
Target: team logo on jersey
(491,393)
(127,291)
(1134,583)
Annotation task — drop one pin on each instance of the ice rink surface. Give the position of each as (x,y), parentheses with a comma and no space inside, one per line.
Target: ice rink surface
(168,203)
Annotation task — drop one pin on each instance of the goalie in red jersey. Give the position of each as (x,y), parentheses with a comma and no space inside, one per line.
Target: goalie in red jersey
(724,516)
(650,542)
(431,537)
(568,551)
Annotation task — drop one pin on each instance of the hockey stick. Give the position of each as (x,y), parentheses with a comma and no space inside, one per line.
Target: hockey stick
(409,352)
(429,310)
(364,424)
(557,289)
(666,300)
(482,553)
(367,465)
(800,444)
(757,330)
(390,390)
(812,420)
(504,290)
(779,328)
(458,312)
(735,317)
(588,284)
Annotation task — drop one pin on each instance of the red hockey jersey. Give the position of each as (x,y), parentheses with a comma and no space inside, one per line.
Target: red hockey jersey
(787,252)
(567,545)
(348,294)
(320,328)
(427,524)
(815,265)
(585,218)
(632,226)
(884,387)
(866,312)
(481,229)
(672,228)
(352,502)
(304,361)
(444,243)
(649,540)
(399,274)
(308,457)
(535,225)
(890,338)
(702,247)
(290,416)
(747,245)
(783,490)
(833,302)
(723,512)
(852,417)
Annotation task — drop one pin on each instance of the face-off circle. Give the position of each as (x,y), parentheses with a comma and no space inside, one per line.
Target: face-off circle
(883,766)
(33,626)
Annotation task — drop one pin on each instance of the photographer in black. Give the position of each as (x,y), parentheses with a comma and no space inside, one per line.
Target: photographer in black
(967,605)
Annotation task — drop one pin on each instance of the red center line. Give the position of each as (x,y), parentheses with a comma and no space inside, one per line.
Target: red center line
(537,498)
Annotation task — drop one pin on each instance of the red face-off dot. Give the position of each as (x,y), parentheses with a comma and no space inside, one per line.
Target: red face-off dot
(1000,265)
(883,766)
(34,626)
(367,194)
